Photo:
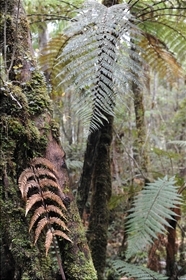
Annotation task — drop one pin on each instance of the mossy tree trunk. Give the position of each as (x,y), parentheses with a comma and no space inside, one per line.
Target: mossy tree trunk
(27,131)
(101,193)
(141,146)
(88,167)
(96,177)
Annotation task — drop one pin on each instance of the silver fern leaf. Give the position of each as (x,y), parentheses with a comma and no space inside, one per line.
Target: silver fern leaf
(99,58)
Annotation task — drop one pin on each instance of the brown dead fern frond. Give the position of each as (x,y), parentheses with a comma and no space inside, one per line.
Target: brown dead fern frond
(24,188)
(44,173)
(42,211)
(43,162)
(48,182)
(54,197)
(40,226)
(48,240)
(31,201)
(59,222)
(50,235)
(40,189)
(26,175)
(37,214)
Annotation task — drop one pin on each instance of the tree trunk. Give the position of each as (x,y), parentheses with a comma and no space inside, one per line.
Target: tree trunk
(171,247)
(142,157)
(88,166)
(97,177)
(101,192)
(28,131)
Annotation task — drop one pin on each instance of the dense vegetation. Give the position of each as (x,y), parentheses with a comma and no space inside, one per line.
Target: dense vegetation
(112,76)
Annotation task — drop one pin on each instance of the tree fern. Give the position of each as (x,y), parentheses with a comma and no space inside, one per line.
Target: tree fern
(98,59)
(150,214)
(164,34)
(136,271)
(90,60)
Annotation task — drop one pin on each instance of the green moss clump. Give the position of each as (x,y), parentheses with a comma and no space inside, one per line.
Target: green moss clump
(54,126)
(36,92)
(13,101)
(16,128)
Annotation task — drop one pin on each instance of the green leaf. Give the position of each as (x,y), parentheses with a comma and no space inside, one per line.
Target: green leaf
(135,271)
(150,213)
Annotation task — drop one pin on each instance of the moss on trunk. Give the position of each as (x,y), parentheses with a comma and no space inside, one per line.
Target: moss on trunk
(101,192)
(142,157)
(27,131)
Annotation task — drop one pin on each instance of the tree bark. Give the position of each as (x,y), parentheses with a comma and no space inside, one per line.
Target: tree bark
(27,131)
(101,193)
(142,157)
(97,177)
(88,167)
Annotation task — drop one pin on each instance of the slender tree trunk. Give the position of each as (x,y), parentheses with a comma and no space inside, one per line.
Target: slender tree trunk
(97,177)
(101,192)
(86,178)
(27,131)
(142,156)
(171,248)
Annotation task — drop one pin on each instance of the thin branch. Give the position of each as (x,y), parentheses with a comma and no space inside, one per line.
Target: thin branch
(70,4)
(49,16)
(13,98)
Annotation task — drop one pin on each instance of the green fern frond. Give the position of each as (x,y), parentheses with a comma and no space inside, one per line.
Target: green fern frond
(148,217)
(47,59)
(149,10)
(135,271)
(179,143)
(39,11)
(164,31)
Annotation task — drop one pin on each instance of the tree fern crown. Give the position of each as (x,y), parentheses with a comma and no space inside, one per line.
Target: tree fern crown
(98,58)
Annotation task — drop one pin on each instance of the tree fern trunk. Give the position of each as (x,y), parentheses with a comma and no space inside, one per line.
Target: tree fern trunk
(101,192)
(171,250)
(97,174)
(28,131)
(88,166)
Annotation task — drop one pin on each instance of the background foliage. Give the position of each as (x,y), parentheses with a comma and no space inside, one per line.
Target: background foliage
(164,94)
